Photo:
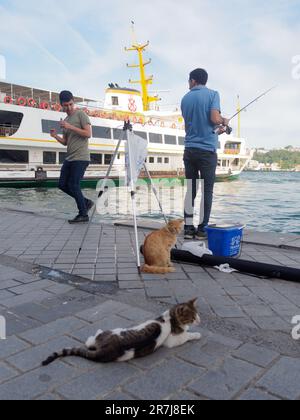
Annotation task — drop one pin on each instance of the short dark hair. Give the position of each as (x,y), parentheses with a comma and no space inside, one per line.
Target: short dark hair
(200,76)
(65,96)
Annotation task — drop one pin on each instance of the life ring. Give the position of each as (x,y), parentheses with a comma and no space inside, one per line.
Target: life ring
(21,101)
(8,100)
(45,106)
(31,103)
(56,107)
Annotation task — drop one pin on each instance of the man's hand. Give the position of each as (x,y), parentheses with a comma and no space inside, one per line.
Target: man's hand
(53,133)
(226,122)
(221,130)
(65,125)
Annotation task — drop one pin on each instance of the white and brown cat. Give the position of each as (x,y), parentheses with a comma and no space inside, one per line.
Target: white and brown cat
(121,345)
(157,248)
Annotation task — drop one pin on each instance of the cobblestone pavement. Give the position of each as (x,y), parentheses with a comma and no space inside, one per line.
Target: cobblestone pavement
(247,351)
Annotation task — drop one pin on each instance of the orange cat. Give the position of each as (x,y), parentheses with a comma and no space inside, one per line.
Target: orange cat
(157,248)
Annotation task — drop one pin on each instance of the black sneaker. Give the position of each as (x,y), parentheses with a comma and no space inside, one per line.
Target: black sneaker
(201,234)
(79,219)
(189,232)
(89,205)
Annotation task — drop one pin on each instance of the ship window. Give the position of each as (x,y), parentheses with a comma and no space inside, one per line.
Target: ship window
(151,160)
(155,138)
(167,161)
(141,134)
(14,156)
(101,132)
(118,134)
(62,157)
(107,159)
(170,140)
(9,123)
(219,145)
(48,125)
(181,141)
(96,159)
(49,158)
(159,160)
(115,101)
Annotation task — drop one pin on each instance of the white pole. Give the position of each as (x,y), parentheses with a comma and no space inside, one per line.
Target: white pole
(133,199)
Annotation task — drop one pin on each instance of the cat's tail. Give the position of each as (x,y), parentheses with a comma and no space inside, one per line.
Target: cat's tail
(78,352)
(151,269)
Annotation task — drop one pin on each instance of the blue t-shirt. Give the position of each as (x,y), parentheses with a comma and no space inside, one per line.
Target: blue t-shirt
(196,109)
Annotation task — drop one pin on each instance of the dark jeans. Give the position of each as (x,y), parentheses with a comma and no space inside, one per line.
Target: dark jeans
(199,165)
(71,175)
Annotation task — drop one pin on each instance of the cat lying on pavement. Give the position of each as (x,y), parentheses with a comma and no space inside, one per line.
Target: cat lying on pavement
(121,345)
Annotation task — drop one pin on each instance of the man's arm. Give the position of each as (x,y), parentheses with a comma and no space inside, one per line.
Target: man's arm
(61,140)
(85,132)
(217,119)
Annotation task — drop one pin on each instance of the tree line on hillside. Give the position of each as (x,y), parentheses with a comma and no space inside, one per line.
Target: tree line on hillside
(285,158)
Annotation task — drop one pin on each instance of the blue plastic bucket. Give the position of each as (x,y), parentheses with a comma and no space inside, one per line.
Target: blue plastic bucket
(225,241)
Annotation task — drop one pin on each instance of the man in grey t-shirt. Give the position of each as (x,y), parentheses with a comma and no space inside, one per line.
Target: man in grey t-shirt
(76,134)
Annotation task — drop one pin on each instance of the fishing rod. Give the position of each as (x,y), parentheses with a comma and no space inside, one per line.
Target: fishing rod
(228,128)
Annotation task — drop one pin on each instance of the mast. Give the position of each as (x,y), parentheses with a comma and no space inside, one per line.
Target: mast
(239,117)
(144,80)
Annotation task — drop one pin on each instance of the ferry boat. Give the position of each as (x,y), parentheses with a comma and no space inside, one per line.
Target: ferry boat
(30,158)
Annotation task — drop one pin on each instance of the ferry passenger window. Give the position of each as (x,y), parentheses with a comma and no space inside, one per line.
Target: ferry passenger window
(49,158)
(167,161)
(101,132)
(141,134)
(159,160)
(181,141)
(62,157)
(107,159)
(48,125)
(170,140)
(151,160)
(219,145)
(96,159)
(118,133)
(155,138)
(115,101)
(14,156)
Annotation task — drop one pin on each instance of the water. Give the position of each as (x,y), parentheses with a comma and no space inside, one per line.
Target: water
(263,201)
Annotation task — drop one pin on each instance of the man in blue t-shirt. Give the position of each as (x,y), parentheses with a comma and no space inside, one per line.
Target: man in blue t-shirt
(201,111)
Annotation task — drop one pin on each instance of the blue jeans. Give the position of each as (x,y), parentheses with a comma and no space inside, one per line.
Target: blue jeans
(199,164)
(71,175)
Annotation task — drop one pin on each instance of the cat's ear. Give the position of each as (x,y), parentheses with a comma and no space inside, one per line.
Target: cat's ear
(194,301)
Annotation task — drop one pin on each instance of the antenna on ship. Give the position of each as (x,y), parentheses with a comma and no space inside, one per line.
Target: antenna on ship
(144,80)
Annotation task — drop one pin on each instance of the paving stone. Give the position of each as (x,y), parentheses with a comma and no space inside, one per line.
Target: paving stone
(156,384)
(11,346)
(38,382)
(254,394)
(102,311)
(53,330)
(38,285)
(256,355)
(33,357)
(6,372)
(226,381)
(98,383)
(283,379)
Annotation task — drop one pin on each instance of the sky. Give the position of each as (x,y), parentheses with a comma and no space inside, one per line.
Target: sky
(247,46)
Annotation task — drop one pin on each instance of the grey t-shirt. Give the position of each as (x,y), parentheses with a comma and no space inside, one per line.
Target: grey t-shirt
(78,146)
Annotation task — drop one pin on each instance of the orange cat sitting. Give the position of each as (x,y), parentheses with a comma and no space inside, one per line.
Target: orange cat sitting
(157,248)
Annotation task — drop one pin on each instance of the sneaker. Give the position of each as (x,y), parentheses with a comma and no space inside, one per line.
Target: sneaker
(201,234)
(79,219)
(189,232)
(89,205)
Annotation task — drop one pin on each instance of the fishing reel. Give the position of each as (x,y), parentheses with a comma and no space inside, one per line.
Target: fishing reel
(228,130)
